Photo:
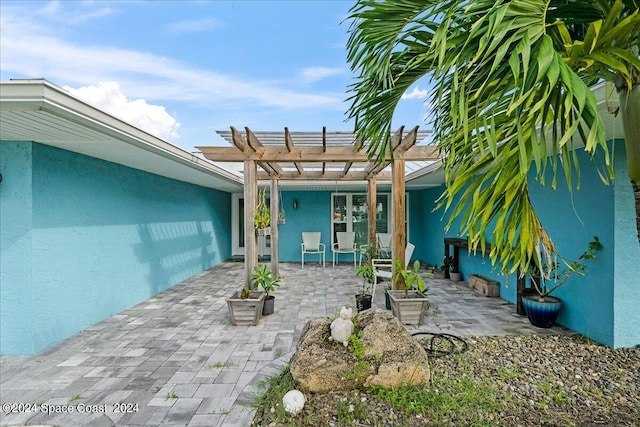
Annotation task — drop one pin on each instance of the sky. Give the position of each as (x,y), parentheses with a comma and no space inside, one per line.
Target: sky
(181,70)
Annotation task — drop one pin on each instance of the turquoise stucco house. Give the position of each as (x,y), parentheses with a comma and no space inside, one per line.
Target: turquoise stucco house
(97,215)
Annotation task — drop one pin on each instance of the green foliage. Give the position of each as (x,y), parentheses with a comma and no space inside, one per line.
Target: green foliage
(262,216)
(410,277)
(368,275)
(550,278)
(263,277)
(511,95)
(361,367)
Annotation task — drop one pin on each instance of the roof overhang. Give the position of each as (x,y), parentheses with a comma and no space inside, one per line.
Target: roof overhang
(38,111)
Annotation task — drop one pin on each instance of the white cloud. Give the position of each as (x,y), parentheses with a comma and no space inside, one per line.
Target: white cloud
(313,74)
(107,96)
(195,25)
(27,48)
(416,93)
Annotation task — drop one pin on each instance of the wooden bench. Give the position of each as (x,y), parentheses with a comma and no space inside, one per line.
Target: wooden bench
(484,285)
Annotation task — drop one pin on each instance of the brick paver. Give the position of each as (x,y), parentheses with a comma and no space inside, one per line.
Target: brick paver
(175,359)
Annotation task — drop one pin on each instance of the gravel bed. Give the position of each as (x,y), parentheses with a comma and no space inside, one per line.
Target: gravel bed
(526,381)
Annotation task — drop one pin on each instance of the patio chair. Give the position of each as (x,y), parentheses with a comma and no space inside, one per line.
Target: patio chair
(311,245)
(345,245)
(383,267)
(384,244)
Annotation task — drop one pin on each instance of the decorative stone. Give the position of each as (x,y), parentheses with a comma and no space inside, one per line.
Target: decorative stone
(293,402)
(394,357)
(342,327)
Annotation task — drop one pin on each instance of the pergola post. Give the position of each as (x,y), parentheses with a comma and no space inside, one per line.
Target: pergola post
(250,200)
(275,211)
(399,231)
(372,204)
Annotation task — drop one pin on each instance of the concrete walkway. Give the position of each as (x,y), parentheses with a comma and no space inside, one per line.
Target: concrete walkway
(175,359)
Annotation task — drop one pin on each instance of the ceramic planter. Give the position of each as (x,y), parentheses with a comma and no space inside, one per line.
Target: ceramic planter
(411,310)
(455,277)
(247,311)
(542,314)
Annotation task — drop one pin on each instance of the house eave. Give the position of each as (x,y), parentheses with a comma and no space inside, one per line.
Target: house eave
(38,111)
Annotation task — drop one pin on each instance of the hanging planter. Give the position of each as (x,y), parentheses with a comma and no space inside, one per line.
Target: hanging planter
(266,231)
(262,218)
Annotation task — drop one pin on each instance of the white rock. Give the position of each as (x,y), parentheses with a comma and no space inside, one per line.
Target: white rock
(293,402)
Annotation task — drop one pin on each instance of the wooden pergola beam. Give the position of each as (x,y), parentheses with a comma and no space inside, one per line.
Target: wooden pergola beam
(313,154)
(325,176)
(409,140)
(324,139)
(347,166)
(399,216)
(253,141)
(396,139)
(250,200)
(288,142)
(238,140)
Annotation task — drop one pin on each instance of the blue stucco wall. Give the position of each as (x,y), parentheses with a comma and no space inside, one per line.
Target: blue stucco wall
(626,298)
(103,238)
(313,214)
(603,304)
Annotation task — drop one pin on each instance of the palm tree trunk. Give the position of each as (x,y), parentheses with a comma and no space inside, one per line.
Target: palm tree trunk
(630,109)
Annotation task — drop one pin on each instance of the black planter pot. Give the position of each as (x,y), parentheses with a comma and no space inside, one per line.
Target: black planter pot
(387,300)
(542,314)
(363,302)
(269,303)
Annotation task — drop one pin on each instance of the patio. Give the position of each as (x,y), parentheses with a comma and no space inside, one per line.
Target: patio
(179,359)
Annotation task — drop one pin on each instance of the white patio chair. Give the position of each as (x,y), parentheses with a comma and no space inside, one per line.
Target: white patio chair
(311,245)
(383,267)
(345,245)
(384,244)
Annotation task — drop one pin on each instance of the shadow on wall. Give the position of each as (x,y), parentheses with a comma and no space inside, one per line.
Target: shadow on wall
(175,251)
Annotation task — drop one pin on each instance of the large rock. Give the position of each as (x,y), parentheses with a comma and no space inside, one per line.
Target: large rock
(321,365)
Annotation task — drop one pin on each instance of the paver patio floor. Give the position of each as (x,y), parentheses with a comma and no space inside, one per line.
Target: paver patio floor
(178,358)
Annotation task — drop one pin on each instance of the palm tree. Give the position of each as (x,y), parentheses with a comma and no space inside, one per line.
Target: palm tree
(511,93)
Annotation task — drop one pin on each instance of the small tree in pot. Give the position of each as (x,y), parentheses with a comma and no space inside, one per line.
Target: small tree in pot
(265,278)
(410,305)
(543,309)
(366,271)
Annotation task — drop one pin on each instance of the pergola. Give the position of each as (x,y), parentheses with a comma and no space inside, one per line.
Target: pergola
(314,156)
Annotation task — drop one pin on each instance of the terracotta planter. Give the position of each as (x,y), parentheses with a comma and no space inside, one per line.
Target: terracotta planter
(411,310)
(247,311)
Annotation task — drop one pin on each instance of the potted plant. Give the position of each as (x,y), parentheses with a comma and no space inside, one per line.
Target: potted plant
(387,299)
(363,299)
(245,307)
(264,278)
(409,305)
(542,308)
(454,273)
(447,262)
(262,217)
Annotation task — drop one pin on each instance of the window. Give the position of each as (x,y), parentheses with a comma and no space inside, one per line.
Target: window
(350,213)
